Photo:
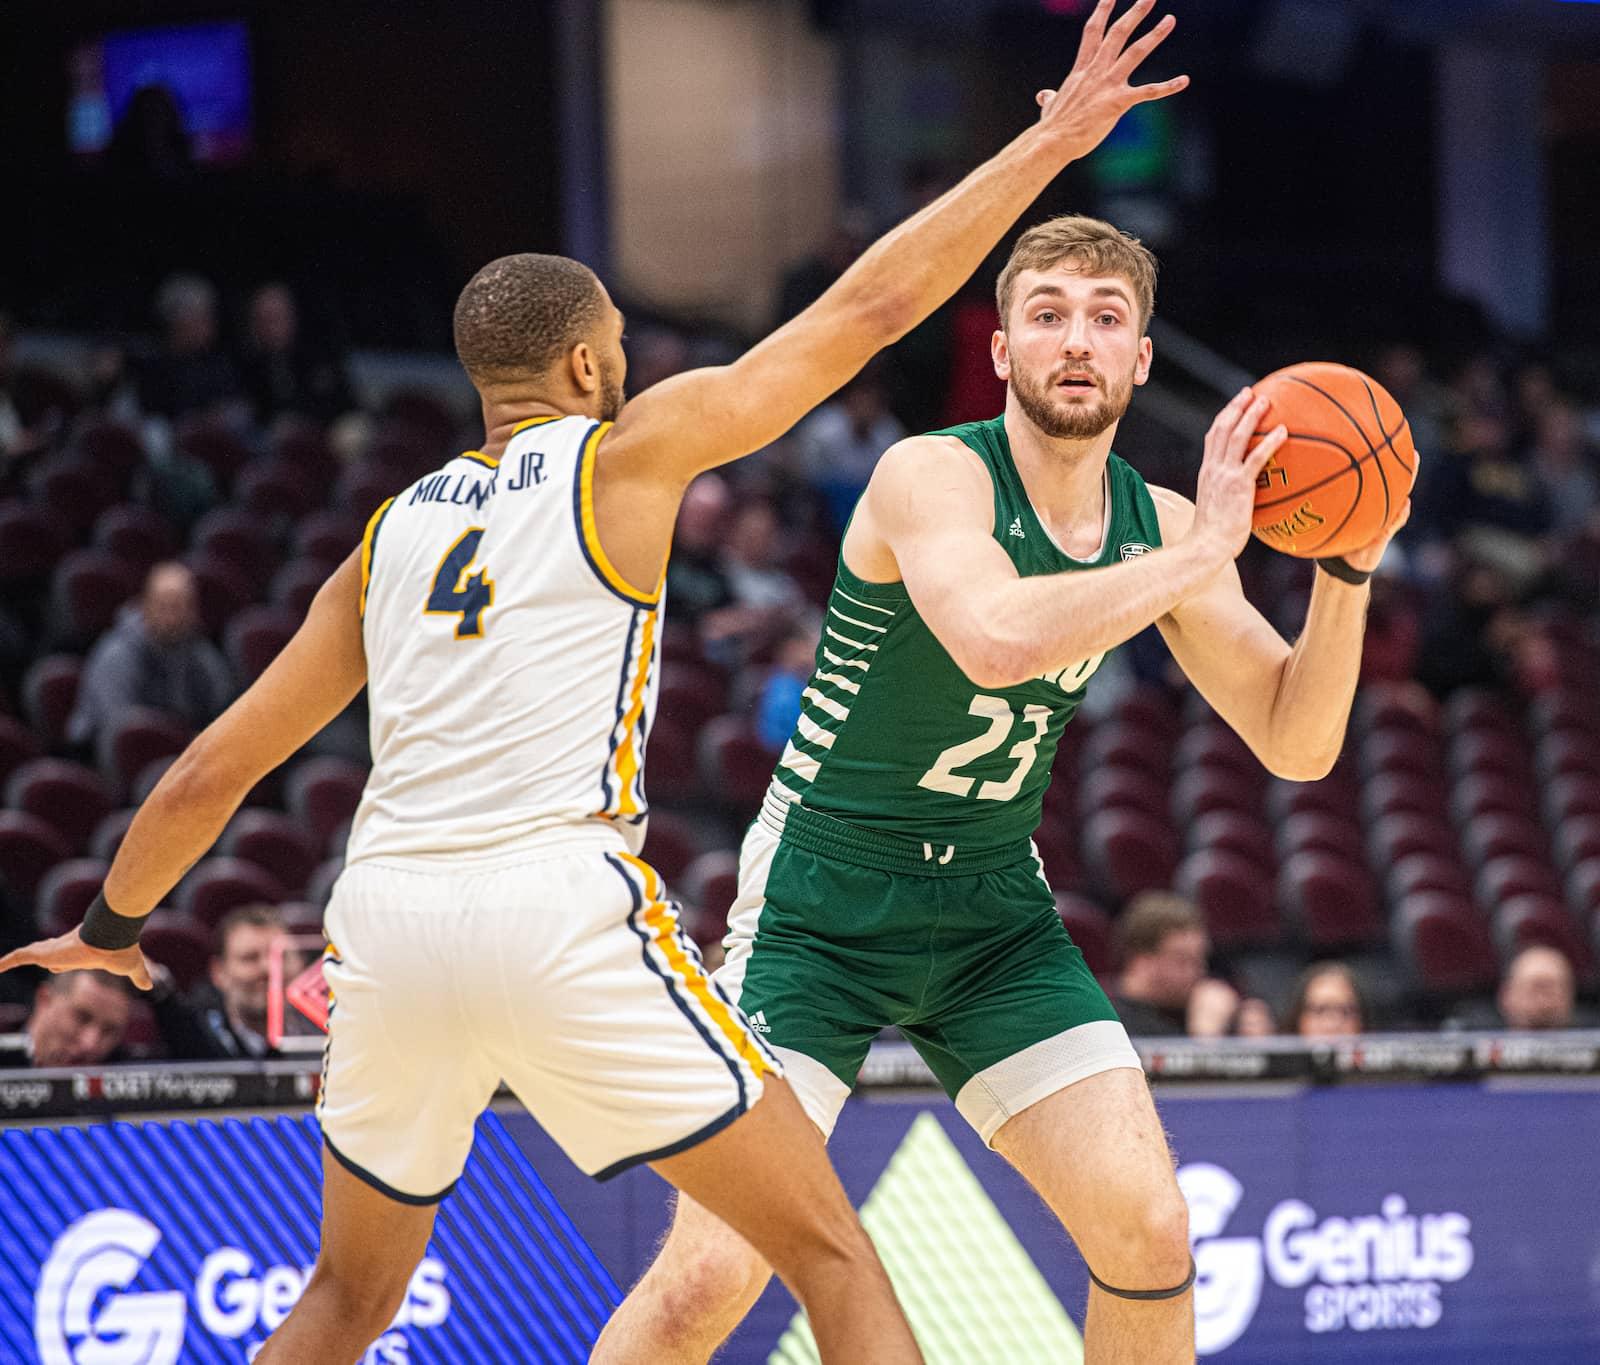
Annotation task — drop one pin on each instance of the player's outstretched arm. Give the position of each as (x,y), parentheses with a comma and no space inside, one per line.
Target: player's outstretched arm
(931,504)
(707,417)
(316,676)
(1290,705)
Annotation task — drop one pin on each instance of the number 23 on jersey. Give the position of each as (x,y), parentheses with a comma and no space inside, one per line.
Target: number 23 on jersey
(942,777)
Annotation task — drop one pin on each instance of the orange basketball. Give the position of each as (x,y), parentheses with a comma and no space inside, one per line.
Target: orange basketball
(1347,468)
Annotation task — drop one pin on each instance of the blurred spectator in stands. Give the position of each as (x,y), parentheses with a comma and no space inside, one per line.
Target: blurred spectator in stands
(153,656)
(778,705)
(1566,466)
(804,282)
(839,444)
(150,142)
(654,354)
(191,373)
(1469,630)
(767,602)
(696,583)
(1538,991)
(282,371)
(78,1019)
(1253,1018)
(1402,370)
(1213,1007)
(227,1018)
(1163,945)
(1327,1002)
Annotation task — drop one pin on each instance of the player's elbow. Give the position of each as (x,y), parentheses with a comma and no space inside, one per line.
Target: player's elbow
(1300,766)
(991,661)
(201,777)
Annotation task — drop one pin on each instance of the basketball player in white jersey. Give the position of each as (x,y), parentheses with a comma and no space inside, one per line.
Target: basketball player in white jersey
(494,920)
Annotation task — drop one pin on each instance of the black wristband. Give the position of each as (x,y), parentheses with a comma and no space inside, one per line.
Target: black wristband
(1336,567)
(103,927)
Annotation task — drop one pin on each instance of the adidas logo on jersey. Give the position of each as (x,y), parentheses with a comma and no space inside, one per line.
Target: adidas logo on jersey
(758,1021)
(1016,529)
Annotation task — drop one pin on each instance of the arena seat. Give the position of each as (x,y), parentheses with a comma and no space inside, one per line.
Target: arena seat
(1401,751)
(1318,832)
(1114,744)
(135,534)
(217,885)
(323,792)
(135,740)
(1423,873)
(73,490)
(1401,793)
(274,491)
(1575,795)
(671,774)
(29,848)
(1569,753)
(1217,746)
(31,541)
(1526,920)
(224,590)
(296,584)
(670,845)
(1234,897)
(49,693)
(255,637)
(1576,840)
(1493,835)
(1330,902)
(363,486)
(1090,928)
(180,945)
(1583,888)
(302,919)
(149,776)
(1106,789)
(1128,851)
(691,695)
(1400,835)
(87,590)
(1333,795)
(1511,875)
(1490,794)
(735,766)
(328,537)
(213,445)
(273,842)
(1476,710)
(1056,841)
(1445,947)
(112,447)
(110,832)
(237,537)
(65,893)
(69,797)
(18,745)
(1397,706)
(1244,836)
(1490,753)
(320,887)
(1202,790)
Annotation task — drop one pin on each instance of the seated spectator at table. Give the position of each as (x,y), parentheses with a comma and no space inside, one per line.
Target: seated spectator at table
(153,656)
(228,1017)
(78,1019)
(191,373)
(1327,1002)
(281,370)
(1163,944)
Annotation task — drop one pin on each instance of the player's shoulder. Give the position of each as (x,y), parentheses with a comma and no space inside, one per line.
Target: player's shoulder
(1174,511)
(915,457)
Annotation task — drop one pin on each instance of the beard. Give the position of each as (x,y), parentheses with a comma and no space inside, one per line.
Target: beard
(612,398)
(1040,401)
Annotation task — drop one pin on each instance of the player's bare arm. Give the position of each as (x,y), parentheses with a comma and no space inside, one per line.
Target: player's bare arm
(707,417)
(316,676)
(927,519)
(1290,705)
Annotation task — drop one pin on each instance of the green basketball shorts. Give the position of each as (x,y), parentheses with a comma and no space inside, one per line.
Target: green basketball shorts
(837,932)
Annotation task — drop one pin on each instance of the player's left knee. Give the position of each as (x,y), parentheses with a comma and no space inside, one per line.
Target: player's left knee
(1150,1247)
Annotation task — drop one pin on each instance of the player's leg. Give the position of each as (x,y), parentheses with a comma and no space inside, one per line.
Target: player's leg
(371,1244)
(1096,1153)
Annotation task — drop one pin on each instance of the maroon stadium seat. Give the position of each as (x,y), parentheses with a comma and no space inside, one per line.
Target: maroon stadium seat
(1104,789)
(1401,751)
(1396,706)
(1316,832)
(29,848)
(691,695)
(1490,752)
(110,832)
(217,885)
(1234,896)
(180,945)
(67,796)
(1494,835)
(1445,947)
(671,770)
(1330,901)
(367,483)
(320,887)
(1570,797)
(135,740)
(296,584)
(670,845)
(1114,744)
(1401,793)
(273,842)
(18,745)
(1202,790)
(65,893)
(255,637)
(1149,709)
(1399,836)
(1583,888)
(275,491)
(86,592)
(214,446)
(238,537)
(302,919)
(1474,710)
(1526,920)
(328,537)
(73,490)
(149,776)
(224,590)
(1244,836)
(1057,844)
(300,442)
(1577,839)
(735,766)
(31,541)
(111,447)
(321,793)
(1217,746)
(711,881)
(1511,875)
(1332,796)
(1089,927)
(49,692)
(1564,753)
(1128,851)
(136,535)
(1419,874)
(1490,794)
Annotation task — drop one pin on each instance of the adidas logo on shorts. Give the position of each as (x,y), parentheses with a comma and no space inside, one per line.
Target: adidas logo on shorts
(758,1021)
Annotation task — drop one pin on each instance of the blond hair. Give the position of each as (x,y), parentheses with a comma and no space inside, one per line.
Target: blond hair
(1091,245)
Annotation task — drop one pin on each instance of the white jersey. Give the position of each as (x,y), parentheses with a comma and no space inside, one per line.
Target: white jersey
(511,669)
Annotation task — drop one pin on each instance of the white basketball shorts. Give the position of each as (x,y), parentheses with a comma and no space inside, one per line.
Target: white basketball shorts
(564,973)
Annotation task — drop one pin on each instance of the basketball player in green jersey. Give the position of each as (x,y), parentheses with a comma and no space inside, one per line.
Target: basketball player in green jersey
(890,877)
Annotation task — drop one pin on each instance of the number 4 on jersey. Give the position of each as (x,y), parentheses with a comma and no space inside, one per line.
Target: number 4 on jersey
(457,591)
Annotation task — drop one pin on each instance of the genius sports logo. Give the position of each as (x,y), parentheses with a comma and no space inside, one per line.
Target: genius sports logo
(1367,1272)
(86,1314)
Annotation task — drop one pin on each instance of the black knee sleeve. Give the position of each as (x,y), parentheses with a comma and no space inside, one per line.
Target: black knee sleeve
(1148,1293)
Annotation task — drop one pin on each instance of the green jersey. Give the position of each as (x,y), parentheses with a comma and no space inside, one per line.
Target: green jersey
(892,734)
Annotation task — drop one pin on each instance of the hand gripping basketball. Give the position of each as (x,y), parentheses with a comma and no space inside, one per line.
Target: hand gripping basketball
(1096,92)
(1225,493)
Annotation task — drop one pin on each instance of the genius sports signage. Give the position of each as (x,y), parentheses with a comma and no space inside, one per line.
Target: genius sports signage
(168,1243)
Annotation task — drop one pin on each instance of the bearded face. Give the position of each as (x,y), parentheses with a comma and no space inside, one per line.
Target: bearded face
(1073,399)
(612,397)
